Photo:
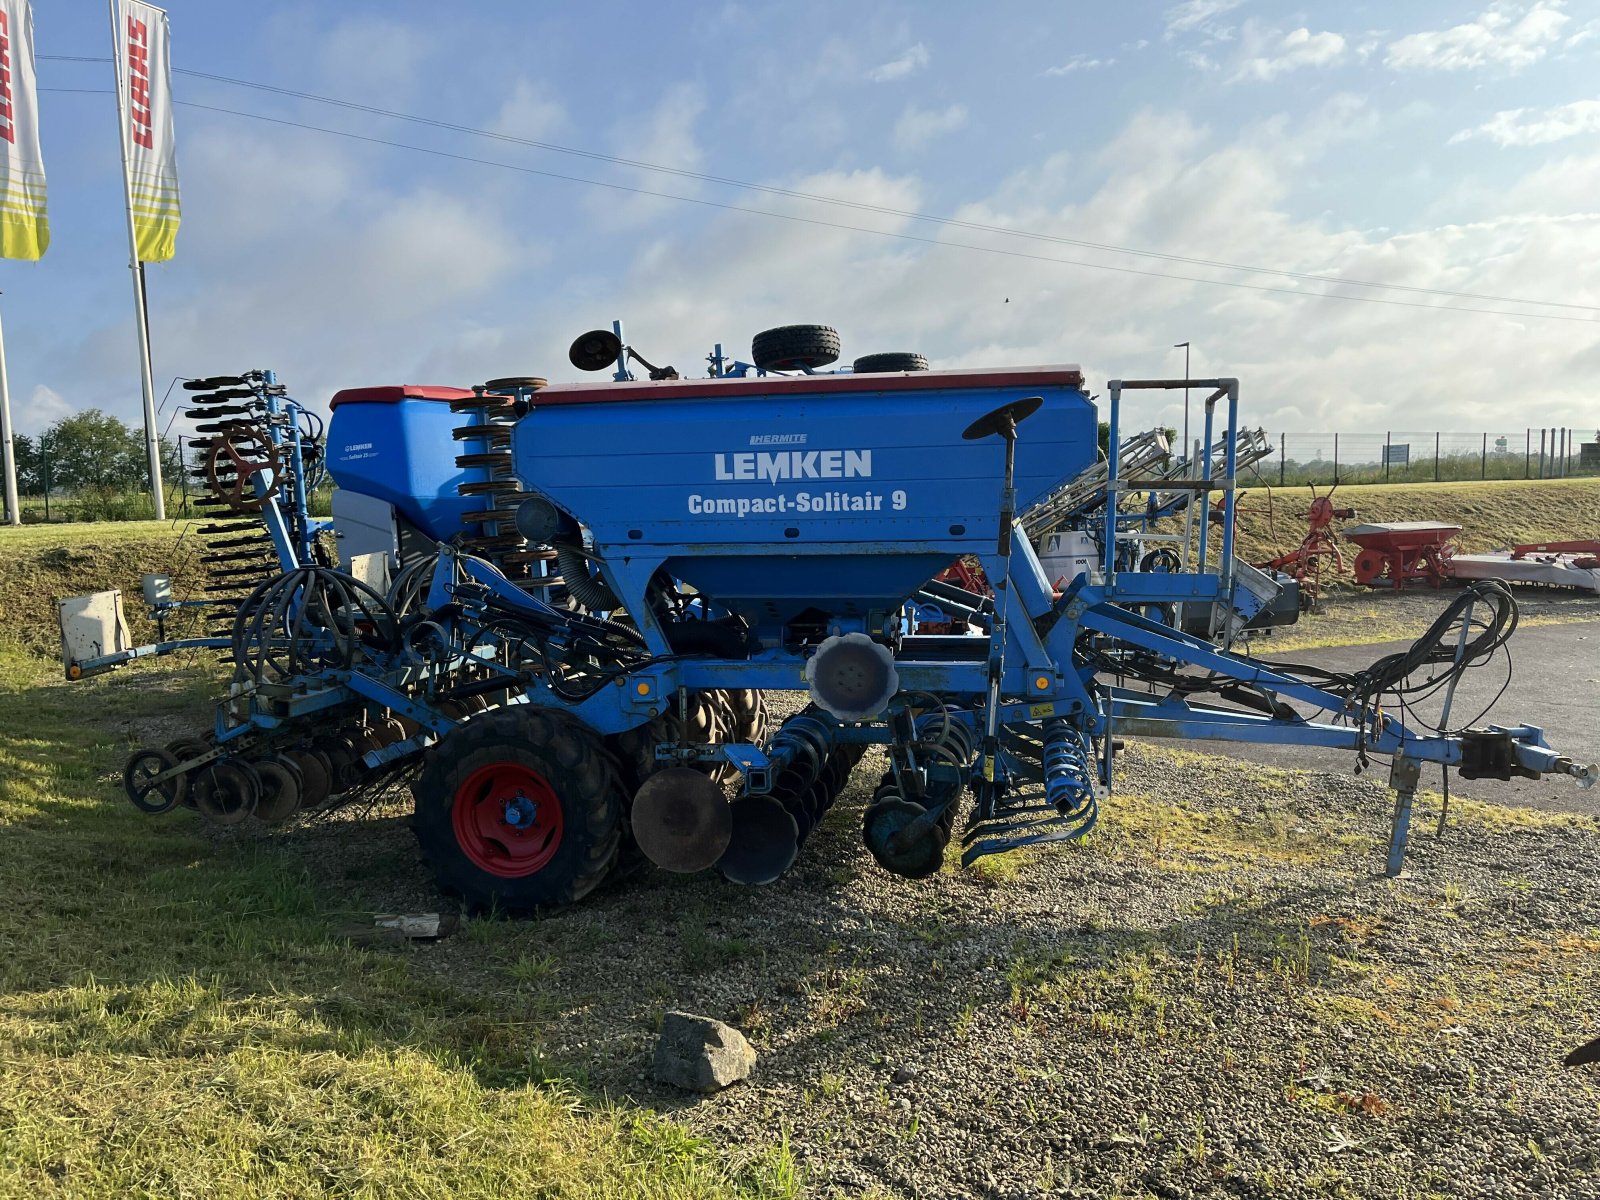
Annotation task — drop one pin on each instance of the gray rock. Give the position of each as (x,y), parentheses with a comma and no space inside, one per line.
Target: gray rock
(700,1054)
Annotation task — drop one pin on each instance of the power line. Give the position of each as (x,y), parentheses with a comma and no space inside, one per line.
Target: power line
(858,205)
(906,237)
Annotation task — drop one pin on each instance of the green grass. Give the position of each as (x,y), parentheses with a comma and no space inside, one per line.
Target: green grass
(1491,514)
(179,1017)
(38,537)
(1362,622)
(40,564)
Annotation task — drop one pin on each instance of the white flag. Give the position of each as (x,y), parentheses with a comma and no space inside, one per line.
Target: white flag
(24,228)
(144,78)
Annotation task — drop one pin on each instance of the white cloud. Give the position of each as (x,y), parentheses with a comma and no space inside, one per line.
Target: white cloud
(366,281)
(354,279)
(911,61)
(1196,14)
(42,409)
(1269,55)
(1535,126)
(665,134)
(1168,184)
(917,126)
(1507,35)
(366,54)
(1369,43)
(1080,62)
(529,111)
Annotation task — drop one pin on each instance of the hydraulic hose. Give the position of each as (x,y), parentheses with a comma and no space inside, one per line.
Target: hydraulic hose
(592,592)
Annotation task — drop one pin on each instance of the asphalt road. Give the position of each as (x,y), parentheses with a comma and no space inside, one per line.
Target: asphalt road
(1555,684)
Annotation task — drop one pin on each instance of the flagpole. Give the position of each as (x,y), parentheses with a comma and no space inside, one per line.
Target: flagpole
(146,378)
(13,511)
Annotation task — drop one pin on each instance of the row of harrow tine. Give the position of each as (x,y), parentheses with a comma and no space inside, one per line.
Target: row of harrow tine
(1053,794)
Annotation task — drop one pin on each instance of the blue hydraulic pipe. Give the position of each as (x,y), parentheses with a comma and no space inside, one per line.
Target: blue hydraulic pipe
(1115,388)
(1230,496)
(1205,474)
(301,507)
(621,373)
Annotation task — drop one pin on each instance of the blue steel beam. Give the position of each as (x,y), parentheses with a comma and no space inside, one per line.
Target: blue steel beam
(105,662)
(1150,635)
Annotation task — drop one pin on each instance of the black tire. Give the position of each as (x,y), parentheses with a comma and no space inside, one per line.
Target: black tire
(874,364)
(143,766)
(571,760)
(793,347)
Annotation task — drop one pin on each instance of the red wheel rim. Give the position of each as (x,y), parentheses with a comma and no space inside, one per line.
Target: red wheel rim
(507,820)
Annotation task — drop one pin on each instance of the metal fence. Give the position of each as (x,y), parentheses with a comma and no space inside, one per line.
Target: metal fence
(1397,456)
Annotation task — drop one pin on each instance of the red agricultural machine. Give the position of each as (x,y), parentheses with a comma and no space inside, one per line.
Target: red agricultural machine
(1307,560)
(1403,552)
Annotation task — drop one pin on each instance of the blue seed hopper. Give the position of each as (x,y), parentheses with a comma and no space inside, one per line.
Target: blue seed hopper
(838,496)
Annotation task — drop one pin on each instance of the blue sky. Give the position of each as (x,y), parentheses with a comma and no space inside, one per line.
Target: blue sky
(1453,147)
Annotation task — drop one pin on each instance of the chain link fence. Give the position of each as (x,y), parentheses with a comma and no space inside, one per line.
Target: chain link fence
(1399,456)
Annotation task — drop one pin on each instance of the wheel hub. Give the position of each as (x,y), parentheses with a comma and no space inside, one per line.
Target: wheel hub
(507,820)
(520,812)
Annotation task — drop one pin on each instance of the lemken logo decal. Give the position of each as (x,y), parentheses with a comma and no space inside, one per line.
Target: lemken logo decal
(795,464)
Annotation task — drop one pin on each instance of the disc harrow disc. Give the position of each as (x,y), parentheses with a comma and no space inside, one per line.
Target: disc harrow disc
(281,791)
(681,820)
(316,777)
(226,792)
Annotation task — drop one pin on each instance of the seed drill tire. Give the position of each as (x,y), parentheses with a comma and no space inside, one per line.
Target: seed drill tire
(574,762)
(791,347)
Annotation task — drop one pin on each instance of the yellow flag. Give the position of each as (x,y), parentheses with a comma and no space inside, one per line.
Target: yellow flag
(24,227)
(145,101)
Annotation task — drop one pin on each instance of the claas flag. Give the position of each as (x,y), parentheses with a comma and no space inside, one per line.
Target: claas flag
(24,227)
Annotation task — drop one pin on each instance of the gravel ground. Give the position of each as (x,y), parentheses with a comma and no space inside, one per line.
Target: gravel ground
(1216,995)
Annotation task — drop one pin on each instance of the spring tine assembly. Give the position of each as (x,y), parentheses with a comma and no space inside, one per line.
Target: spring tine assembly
(238,436)
(1056,802)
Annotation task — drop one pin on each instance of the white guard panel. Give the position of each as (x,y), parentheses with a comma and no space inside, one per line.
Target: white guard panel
(92,626)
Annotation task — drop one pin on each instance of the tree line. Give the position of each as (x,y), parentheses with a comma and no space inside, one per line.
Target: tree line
(89,452)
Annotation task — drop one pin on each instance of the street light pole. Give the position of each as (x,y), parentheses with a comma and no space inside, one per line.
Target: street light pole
(1185,346)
